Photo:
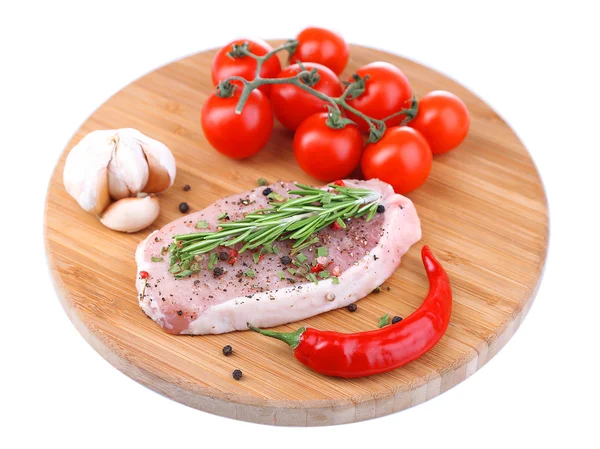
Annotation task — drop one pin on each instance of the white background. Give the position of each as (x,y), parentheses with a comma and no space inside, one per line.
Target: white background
(534,62)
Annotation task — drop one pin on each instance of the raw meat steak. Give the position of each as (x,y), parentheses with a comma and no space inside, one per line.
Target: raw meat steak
(364,253)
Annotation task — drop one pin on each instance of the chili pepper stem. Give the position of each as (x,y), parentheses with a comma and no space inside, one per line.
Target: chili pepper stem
(291,338)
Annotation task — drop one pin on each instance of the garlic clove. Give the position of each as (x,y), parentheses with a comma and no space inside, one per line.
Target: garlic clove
(85,174)
(161,163)
(128,169)
(131,214)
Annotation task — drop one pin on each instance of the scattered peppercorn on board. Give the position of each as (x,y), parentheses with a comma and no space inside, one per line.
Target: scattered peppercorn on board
(484,215)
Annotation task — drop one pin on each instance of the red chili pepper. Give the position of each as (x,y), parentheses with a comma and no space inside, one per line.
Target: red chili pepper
(144,274)
(377,351)
(232,256)
(335,226)
(340,183)
(317,268)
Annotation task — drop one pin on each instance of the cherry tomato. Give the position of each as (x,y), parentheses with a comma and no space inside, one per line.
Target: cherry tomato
(443,119)
(327,153)
(293,105)
(237,135)
(224,66)
(387,91)
(322,46)
(401,158)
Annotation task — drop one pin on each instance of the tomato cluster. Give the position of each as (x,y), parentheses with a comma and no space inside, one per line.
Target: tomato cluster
(329,119)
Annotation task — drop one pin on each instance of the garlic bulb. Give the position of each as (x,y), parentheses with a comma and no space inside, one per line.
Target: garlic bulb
(115,165)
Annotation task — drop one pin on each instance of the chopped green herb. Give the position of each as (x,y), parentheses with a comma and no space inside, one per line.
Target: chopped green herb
(326,199)
(292,271)
(304,245)
(335,280)
(164,250)
(341,223)
(301,258)
(267,249)
(377,290)
(256,256)
(185,265)
(157,259)
(202,224)
(322,251)
(173,247)
(184,274)
(262,182)
(212,261)
(223,216)
(276,197)
(275,250)
(195,267)
(324,274)
(281,275)
(384,321)
(249,273)
(312,277)
(175,269)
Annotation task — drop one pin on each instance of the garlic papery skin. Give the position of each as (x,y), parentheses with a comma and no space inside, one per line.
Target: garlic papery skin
(118,164)
(131,214)
(85,175)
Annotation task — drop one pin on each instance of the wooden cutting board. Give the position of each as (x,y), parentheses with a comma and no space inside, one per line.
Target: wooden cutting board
(483,213)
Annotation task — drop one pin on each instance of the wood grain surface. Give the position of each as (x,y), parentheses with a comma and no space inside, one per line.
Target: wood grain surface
(483,213)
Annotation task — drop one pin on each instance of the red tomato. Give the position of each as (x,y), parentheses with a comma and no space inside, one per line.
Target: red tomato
(293,105)
(237,135)
(327,153)
(322,46)
(443,119)
(401,158)
(224,66)
(386,91)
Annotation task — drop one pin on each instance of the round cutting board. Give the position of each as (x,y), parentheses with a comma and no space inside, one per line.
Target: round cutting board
(483,213)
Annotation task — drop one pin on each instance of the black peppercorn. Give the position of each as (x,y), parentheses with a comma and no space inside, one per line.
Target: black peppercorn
(396,319)
(223,255)
(218,271)
(187,187)
(180,312)
(237,374)
(183,207)
(267,191)
(227,350)
(352,307)
(286,260)
(380,209)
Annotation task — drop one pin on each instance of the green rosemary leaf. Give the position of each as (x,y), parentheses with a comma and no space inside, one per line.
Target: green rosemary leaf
(384,320)
(249,273)
(164,250)
(340,222)
(256,256)
(175,268)
(326,199)
(322,251)
(304,245)
(335,280)
(222,216)
(212,261)
(157,259)
(202,224)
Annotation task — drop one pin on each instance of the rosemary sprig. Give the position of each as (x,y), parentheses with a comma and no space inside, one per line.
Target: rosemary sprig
(295,218)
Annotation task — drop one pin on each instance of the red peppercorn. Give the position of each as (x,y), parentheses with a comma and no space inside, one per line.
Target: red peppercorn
(144,274)
(317,268)
(340,183)
(335,226)
(233,255)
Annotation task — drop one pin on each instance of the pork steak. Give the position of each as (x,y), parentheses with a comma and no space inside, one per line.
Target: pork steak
(266,293)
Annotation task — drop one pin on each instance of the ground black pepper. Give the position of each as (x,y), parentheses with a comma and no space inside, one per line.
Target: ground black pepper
(187,187)
(218,271)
